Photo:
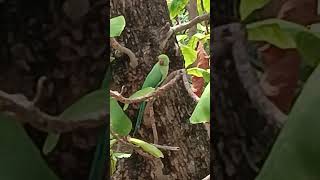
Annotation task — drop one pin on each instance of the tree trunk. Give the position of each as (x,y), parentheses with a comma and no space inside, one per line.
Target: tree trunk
(142,34)
(245,122)
(193,12)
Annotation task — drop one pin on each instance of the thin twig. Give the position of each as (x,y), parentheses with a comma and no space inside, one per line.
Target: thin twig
(136,148)
(39,90)
(116,45)
(149,120)
(207,177)
(189,24)
(182,27)
(170,148)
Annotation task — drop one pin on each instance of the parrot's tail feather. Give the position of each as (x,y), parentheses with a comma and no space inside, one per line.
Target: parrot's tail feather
(139,118)
(99,162)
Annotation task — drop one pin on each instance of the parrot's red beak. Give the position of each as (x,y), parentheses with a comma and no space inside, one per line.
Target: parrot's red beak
(161,62)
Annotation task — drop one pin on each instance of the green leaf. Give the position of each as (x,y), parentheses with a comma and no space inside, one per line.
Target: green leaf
(112,142)
(117,25)
(272,34)
(315,27)
(50,143)
(113,164)
(287,26)
(181,37)
(248,6)
(201,27)
(199,7)
(206,77)
(201,113)
(120,123)
(121,155)
(193,42)
(140,93)
(275,31)
(284,34)
(295,154)
(206,5)
(308,46)
(195,71)
(19,157)
(112,58)
(106,80)
(86,107)
(195,39)
(149,148)
(204,39)
(198,72)
(201,36)
(189,54)
(176,7)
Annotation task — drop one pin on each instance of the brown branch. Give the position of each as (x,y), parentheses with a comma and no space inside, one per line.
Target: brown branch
(23,110)
(250,80)
(182,27)
(207,177)
(116,45)
(189,88)
(169,148)
(193,22)
(39,90)
(149,120)
(158,92)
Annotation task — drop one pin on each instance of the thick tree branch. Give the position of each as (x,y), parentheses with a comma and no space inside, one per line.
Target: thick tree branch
(158,92)
(116,45)
(193,22)
(250,80)
(181,27)
(25,111)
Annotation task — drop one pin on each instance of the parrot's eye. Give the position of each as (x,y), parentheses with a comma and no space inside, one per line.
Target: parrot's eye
(161,62)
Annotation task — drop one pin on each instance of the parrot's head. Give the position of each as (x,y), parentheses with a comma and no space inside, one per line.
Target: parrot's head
(163,60)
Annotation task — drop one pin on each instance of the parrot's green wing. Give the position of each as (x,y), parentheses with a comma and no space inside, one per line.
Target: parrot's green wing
(142,92)
(164,73)
(153,78)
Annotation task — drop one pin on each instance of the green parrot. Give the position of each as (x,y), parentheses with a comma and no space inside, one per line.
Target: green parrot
(155,77)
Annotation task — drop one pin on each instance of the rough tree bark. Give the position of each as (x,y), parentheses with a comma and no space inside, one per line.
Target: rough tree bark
(37,40)
(193,12)
(142,34)
(245,122)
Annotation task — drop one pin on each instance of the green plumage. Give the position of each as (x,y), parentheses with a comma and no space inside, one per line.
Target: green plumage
(155,77)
